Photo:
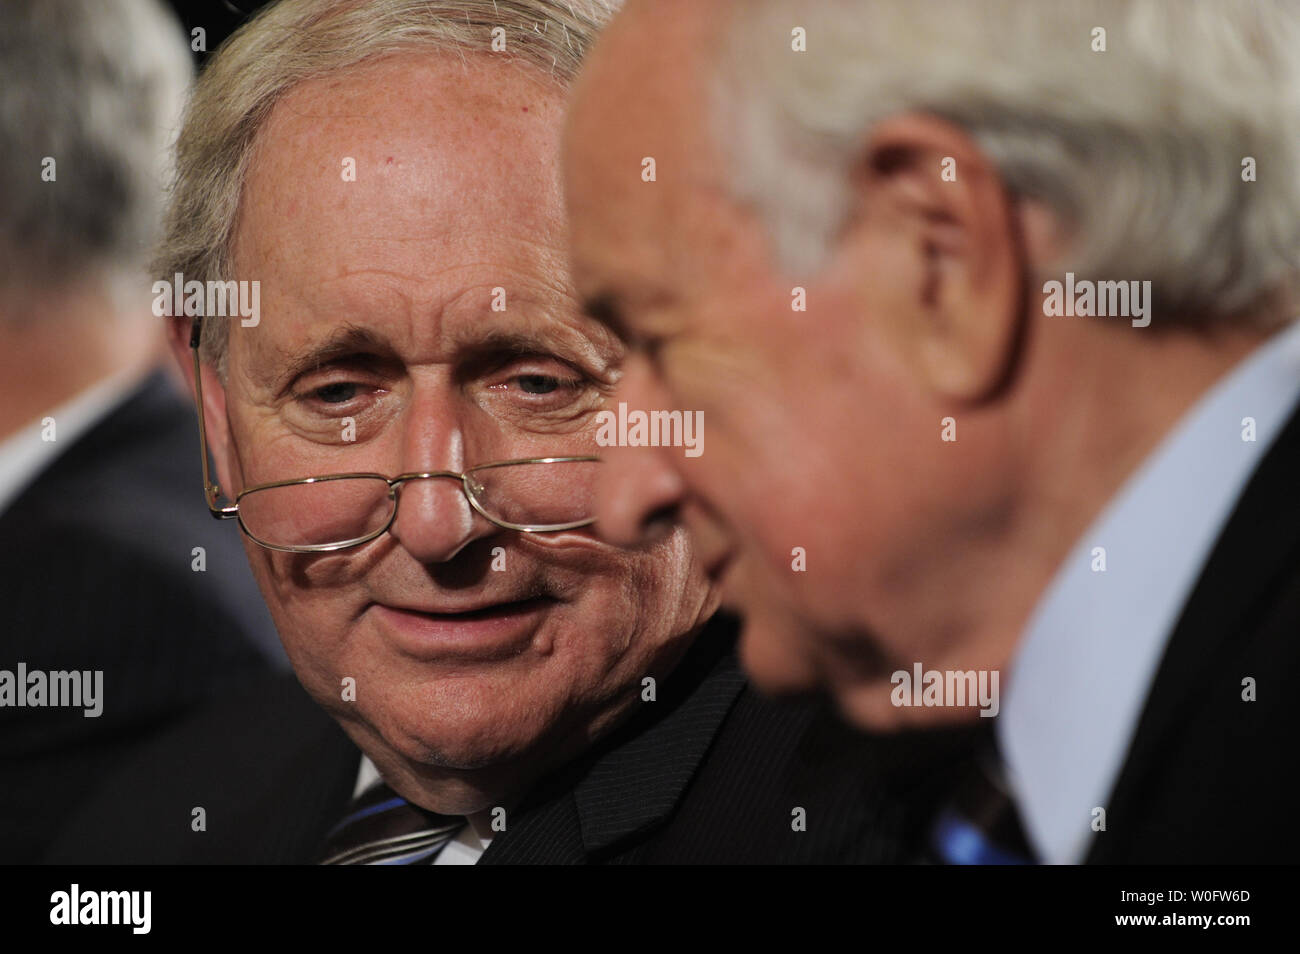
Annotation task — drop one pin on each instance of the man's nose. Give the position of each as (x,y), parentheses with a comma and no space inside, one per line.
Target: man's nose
(638,491)
(434,520)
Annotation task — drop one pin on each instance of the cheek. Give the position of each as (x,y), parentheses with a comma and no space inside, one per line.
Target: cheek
(805,511)
(256,446)
(267,446)
(799,561)
(311,603)
(776,482)
(271,451)
(625,607)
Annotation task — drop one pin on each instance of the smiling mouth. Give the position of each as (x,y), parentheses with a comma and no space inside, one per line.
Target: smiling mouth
(495,631)
(489,611)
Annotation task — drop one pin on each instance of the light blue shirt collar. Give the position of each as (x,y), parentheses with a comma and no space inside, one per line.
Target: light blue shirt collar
(1089,654)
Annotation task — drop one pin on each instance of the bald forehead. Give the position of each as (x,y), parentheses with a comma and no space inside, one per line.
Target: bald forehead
(654,59)
(643,96)
(668,33)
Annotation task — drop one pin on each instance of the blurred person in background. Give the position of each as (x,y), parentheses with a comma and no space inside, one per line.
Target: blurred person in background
(114,581)
(1038,418)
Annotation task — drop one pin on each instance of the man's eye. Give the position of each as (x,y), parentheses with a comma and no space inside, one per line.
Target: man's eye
(538,383)
(537,388)
(338,393)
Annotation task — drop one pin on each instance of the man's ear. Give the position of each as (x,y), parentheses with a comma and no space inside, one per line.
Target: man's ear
(215,421)
(945,238)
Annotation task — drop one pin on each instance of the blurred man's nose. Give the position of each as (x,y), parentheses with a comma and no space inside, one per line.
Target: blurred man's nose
(639,490)
(434,519)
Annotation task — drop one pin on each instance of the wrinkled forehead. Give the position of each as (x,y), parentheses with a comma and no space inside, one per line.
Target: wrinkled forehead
(403,194)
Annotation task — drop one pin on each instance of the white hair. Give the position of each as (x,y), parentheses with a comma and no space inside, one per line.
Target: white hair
(1140,151)
(293,41)
(91,92)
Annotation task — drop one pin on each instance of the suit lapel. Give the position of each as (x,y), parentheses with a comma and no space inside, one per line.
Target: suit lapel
(549,833)
(637,786)
(634,781)
(1258,550)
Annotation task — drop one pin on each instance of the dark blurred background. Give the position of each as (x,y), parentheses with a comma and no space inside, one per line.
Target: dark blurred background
(217,18)
(113,576)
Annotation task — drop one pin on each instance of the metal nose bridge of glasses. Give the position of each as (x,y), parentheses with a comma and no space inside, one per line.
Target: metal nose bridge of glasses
(470,484)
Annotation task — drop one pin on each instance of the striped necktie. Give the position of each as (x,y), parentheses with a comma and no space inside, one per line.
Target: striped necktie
(382,828)
(980,824)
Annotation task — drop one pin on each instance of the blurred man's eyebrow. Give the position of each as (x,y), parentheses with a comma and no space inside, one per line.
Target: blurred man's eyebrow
(604,308)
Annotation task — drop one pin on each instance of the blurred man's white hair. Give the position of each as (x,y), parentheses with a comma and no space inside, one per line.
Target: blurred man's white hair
(1138,150)
(90,99)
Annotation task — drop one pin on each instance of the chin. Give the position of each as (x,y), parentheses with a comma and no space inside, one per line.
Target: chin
(461,722)
(452,752)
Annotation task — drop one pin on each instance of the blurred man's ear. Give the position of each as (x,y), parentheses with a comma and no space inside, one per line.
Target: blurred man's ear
(949,288)
(214,401)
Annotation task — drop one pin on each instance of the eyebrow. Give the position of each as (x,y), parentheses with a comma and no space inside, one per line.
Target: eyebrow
(345,341)
(352,340)
(603,307)
(480,346)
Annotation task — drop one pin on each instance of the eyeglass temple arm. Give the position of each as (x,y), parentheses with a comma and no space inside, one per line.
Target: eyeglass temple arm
(210,490)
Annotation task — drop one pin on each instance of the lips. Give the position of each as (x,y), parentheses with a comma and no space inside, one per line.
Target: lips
(478,631)
(468,611)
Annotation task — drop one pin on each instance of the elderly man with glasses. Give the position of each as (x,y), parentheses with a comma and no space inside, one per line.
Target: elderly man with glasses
(406,436)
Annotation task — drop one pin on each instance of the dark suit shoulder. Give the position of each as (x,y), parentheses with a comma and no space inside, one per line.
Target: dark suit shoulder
(112,565)
(788,782)
(1211,773)
(125,500)
(269,768)
(715,773)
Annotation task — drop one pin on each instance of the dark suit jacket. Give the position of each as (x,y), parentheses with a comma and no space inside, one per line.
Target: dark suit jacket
(710,772)
(95,573)
(1210,777)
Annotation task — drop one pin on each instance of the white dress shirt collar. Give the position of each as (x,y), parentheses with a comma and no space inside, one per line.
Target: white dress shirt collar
(1090,652)
(25,455)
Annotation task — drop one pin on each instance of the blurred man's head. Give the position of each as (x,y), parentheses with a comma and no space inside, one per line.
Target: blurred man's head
(397,191)
(841,262)
(85,127)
